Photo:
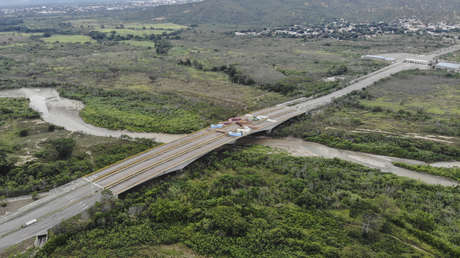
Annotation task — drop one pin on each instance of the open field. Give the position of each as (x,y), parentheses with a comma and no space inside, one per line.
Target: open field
(414,114)
(147,44)
(68,39)
(167,97)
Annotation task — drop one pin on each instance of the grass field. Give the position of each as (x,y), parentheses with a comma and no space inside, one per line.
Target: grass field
(68,39)
(146,44)
(156,26)
(125,32)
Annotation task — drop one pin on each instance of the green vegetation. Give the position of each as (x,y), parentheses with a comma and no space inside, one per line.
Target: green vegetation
(277,12)
(452,57)
(235,74)
(247,202)
(453,173)
(35,156)
(147,44)
(394,118)
(68,39)
(252,202)
(55,164)
(11,108)
(123,109)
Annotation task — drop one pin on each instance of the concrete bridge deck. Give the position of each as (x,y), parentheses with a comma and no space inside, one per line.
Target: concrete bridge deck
(74,198)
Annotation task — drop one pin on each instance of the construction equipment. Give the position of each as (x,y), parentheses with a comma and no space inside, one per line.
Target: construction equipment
(244,131)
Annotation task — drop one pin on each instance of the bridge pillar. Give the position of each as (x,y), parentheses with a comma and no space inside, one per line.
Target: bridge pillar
(40,239)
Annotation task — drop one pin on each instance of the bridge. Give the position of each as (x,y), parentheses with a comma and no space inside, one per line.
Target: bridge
(75,197)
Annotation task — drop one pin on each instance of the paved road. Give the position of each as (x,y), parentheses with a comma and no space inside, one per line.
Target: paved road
(79,195)
(63,203)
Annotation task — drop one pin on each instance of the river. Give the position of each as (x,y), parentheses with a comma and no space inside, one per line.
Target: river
(66,113)
(298,147)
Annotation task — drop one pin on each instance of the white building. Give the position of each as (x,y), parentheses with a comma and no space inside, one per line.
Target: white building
(448,66)
(382,58)
(416,61)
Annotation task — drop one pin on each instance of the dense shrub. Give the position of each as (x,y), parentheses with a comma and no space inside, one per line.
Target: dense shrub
(252,202)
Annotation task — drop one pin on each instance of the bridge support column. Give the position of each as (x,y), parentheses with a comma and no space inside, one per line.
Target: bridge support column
(40,239)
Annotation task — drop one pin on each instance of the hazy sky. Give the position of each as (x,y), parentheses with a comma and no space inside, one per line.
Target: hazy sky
(38,2)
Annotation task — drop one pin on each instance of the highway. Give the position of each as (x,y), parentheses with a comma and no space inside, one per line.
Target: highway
(74,198)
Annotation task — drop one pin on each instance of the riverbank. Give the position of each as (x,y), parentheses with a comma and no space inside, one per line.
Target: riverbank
(298,147)
(65,113)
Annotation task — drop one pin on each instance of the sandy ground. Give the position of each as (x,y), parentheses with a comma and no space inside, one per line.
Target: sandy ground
(14,203)
(14,206)
(65,113)
(298,147)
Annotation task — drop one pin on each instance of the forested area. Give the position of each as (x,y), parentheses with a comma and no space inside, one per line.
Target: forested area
(144,112)
(58,164)
(254,202)
(58,159)
(15,109)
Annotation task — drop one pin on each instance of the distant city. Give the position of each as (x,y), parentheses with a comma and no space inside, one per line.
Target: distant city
(74,7)
(342,30)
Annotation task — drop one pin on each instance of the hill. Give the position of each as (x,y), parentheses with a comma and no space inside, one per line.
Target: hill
(281,12)
(13,3)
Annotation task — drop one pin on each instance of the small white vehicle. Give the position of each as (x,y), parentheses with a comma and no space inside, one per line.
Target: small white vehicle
(28,223)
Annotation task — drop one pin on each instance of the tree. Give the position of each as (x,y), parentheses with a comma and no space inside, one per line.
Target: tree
(4,164)
(64,147)
(97,35)
(24,133)
(163,46)
(34,196)
(337,70)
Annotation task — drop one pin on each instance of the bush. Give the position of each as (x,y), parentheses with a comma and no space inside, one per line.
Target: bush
(24,132)
(64,147)
(336,70)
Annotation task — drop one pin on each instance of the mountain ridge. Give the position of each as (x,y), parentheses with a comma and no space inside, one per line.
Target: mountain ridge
(282,12)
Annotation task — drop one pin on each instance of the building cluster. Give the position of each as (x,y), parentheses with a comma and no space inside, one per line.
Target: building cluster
(434,64)
(82,8)
(341,29)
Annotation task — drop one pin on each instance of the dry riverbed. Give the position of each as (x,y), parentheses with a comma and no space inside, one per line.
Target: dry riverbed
(298,147)
(65,113)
